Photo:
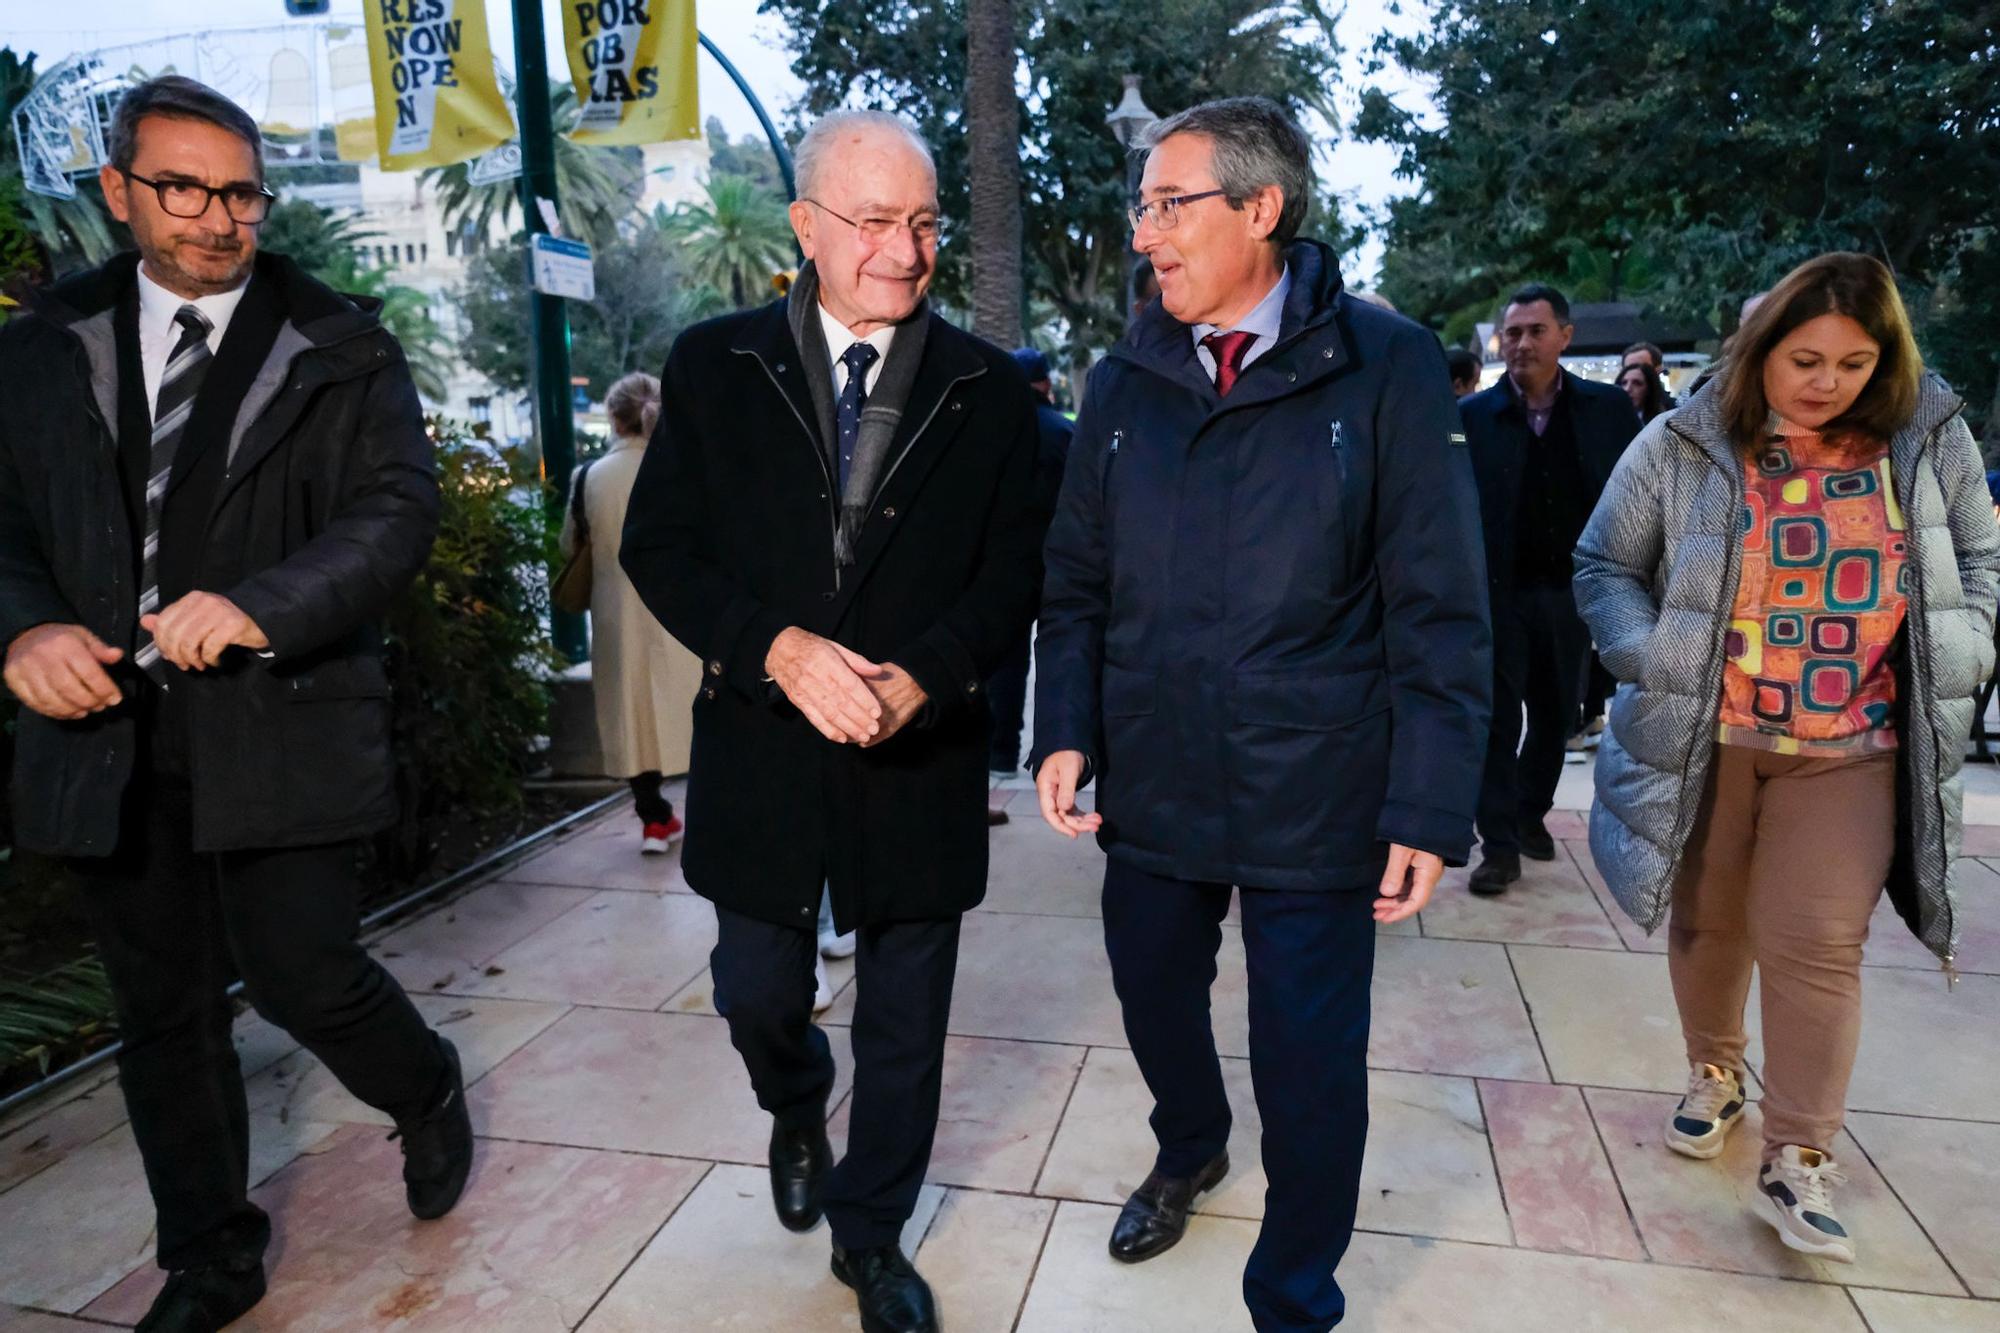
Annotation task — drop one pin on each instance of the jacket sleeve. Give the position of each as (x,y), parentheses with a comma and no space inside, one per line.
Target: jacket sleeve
(1975,537)
(953,658)
(1618,552)
(1437,637)
(374,544)
(669,548)
(1076,599)
(28,593)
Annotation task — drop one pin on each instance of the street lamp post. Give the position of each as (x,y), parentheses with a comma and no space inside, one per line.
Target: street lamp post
(1129,121)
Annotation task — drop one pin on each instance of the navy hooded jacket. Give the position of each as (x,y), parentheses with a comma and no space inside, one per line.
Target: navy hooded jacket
(1264,620)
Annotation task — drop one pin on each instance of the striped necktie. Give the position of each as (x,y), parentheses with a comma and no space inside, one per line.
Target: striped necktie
(186,369)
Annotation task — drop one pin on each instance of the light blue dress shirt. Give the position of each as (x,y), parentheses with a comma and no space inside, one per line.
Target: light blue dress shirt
(1263,321)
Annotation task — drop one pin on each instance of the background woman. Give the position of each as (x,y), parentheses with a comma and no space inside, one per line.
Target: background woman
(645,682)
(1794,576)
(1643,386)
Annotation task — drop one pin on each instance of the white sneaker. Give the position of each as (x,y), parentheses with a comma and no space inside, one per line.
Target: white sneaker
(836,946)
(822,987)
(1795,1195)
(1700,1124)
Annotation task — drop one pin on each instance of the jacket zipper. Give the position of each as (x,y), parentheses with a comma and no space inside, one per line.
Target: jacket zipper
(1921,637)
(832,502)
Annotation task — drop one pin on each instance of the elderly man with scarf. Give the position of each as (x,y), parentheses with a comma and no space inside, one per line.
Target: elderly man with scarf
(838,514)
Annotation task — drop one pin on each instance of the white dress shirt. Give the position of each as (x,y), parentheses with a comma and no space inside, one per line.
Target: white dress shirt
(1263,321)
(159,335)
(839,339)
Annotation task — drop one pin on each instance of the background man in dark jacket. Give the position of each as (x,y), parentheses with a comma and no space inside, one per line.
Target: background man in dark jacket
(838,515)
(214,478)
(1543,444)
(1007,692)
(1264,628)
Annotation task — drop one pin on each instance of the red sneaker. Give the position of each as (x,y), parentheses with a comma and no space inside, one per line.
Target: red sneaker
(655,839)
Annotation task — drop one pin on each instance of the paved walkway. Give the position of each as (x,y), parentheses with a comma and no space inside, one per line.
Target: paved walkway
(1526,1051)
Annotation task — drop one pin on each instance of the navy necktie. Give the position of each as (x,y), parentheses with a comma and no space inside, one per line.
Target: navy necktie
(179,384)
(847,412)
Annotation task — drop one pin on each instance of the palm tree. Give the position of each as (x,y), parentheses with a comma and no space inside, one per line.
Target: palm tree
(596,188)
(736,241)
(76,225)
(993,144)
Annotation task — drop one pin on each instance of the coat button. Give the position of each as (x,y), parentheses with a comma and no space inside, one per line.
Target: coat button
(957,406)
(781,367)
(972,688)
(1292,378)
(708,694)
(805,911)
(826,596)
(715,668)
(1328,354)
(888,511)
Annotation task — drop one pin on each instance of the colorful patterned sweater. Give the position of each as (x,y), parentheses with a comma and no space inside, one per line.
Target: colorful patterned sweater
(1820,603)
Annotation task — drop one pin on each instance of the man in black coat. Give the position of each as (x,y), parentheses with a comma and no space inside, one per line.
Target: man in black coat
(1543,444)
(1264,629)
(837,513)
(1007,692)
(214,478)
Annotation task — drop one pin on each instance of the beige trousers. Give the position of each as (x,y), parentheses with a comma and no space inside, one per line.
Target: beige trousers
(1783,869)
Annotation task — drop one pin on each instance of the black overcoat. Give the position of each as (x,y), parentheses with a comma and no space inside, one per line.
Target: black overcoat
(1265,620)
(729,540)
(325,512)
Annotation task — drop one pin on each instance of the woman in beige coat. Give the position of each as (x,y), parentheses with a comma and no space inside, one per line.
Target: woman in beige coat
(644,681)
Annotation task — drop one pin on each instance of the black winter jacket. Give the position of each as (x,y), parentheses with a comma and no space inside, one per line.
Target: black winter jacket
(729,541)
(1265,615)
(325,513)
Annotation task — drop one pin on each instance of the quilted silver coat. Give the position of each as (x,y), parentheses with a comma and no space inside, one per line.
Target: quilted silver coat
(1657,573)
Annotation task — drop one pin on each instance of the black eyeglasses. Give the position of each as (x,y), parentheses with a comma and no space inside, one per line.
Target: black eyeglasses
(246,204)
(879,231)
(1165,211)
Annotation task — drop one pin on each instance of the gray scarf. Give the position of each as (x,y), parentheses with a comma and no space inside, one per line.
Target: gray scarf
(880,415)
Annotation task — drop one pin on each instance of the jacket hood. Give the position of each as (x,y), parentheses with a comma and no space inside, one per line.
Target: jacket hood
(321,315)
(1157,339)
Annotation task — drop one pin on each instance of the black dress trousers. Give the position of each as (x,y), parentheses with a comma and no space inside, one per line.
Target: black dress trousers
(1541,651)
(904,970)
(173,929)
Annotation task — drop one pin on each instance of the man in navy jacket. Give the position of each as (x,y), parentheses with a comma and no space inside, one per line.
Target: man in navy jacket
(1543,444)
(1264,631)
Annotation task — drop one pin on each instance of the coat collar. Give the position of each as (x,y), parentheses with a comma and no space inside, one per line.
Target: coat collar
(1699,420)
(1311,342)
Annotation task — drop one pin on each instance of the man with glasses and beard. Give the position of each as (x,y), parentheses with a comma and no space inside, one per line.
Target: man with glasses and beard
(214,478)
(838,515)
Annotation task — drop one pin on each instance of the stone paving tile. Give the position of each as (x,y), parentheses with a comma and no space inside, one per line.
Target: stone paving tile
(1697,1213)
(635,1082)
(1551,904)
(14,1319)
(453,944)
(1427,1170)
(95,1202)
(698,996)
(1561,1193)
(1001,1103)
(33,1146)
(1404,1285)
(486,1032)
(1608,1020)
(605,856)
(1901,1312)
(1450,1007)
(615,950)
(1628,930)
(1038,871)
(1891,944)
(979,1255)
(1920,1046)
(541,1233)
(723,1262)
(1948,1172)
(1079,1288)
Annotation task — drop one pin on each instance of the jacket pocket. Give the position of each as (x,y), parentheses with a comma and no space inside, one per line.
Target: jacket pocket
(1308,761)
(1129,693)
(1315,702)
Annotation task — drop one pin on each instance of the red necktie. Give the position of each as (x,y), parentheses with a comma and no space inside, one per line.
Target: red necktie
(1228,349)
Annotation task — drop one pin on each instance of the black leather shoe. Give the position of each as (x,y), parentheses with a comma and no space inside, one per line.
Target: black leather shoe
(203,1300)
(1536,844)
(800,1159)
(437,1148)
(1496,871)
(1156,1216)
(893,1296)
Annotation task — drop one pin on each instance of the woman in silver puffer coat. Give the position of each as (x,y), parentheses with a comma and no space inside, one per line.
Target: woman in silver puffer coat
(1793,577)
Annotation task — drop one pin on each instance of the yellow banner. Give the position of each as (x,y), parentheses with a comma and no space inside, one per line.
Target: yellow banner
(437,99)
(632,62)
